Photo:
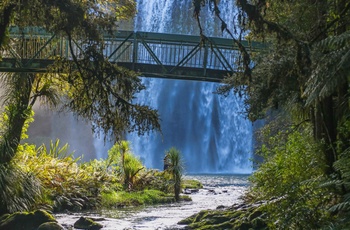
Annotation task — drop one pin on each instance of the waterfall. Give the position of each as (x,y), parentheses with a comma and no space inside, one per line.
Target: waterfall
(209,130)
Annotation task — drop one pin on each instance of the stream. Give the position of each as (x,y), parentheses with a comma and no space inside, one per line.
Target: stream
(218,190)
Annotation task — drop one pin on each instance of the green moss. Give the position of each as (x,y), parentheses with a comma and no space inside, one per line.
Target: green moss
(235,214)
(109,199)
(259,223)
(3,217)
(87,223)
(242,225)
(26,220)
(50,226)
(186,221)
(185,198)
(254,214)
(191,184)
(123,198)
(241,219)
(202,214)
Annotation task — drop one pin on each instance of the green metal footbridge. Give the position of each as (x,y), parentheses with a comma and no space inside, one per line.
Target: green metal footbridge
(159,55)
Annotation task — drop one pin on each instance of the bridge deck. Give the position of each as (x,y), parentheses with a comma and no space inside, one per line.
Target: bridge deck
(152,54)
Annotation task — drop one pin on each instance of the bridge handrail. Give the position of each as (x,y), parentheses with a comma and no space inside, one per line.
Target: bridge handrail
(165,38)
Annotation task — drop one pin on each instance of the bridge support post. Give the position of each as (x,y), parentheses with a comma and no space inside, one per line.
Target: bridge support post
(205,60)
(134,51)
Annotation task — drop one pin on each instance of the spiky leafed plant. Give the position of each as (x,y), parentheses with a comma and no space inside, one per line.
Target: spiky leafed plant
(121,157)
(131,168)
(175,167)
(19,191)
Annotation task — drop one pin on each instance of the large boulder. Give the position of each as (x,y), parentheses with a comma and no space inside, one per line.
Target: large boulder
(50,226)
(87,223)
(237,217)
(25,220)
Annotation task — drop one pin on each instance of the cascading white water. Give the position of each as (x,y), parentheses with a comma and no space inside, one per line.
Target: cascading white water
(208,129)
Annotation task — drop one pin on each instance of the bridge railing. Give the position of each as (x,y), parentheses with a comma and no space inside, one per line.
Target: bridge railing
(149,53)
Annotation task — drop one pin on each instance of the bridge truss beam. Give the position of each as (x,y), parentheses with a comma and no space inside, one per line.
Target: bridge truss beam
(151,54)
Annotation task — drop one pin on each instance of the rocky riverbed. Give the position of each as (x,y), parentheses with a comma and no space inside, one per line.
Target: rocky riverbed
(218,191)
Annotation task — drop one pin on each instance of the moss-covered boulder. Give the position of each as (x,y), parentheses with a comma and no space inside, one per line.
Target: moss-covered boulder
(25,220)
(50,226)
(239,217)
(87,223)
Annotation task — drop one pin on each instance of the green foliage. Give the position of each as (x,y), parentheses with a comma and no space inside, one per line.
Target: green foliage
(175,167)
(340,182)
(19,190)
(67,185)
(56,151)
(193,184)
(332,58)
(109,199)
(303,75)
(102,93)
(123,160)
(125,198)
(289,180)
(131,167)
(154,180)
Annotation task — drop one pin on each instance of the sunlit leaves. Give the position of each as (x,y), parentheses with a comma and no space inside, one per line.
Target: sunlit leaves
(290,180)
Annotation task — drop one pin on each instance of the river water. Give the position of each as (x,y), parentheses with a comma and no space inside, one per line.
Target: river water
(219,189)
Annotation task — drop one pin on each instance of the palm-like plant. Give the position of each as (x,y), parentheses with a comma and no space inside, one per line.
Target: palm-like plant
(121,157)
(131,168)
(175,167)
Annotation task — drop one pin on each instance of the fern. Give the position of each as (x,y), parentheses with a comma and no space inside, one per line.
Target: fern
(331,58)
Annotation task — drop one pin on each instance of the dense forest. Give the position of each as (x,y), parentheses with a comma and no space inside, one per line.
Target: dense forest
(299,84)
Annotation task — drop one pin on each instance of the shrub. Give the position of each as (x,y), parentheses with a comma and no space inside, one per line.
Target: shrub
(289,180)
(67,184)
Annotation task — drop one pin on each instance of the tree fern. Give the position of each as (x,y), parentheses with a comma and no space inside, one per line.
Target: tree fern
(331,58)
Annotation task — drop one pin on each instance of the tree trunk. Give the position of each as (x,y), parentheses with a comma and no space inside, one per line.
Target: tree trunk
(326,130)
(18,112)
